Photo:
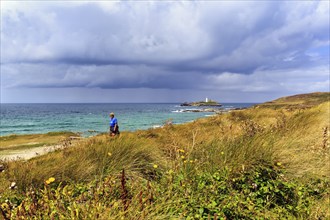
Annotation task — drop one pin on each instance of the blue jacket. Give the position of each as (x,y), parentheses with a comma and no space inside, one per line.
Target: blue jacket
(113,122)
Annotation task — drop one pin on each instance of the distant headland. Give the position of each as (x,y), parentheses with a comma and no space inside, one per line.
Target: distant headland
(207,102)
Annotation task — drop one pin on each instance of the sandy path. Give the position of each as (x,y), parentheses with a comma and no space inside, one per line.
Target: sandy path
(27,153)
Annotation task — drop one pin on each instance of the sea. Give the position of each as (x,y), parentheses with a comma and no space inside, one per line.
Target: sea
(92,119)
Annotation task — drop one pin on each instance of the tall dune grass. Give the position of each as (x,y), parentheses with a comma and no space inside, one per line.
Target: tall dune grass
(88,160)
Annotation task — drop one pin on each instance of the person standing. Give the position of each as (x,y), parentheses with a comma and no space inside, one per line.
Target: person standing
(114,128)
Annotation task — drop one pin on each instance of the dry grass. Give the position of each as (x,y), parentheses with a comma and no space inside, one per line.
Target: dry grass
(300,101)
(88,159)
(22,141)
(304,147)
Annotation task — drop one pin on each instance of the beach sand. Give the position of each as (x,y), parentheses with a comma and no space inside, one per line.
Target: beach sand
(25,154)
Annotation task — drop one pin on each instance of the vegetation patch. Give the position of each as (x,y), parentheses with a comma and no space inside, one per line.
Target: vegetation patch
(22,141)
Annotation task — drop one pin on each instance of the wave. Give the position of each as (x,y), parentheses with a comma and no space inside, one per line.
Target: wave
(19,126)
(186,110)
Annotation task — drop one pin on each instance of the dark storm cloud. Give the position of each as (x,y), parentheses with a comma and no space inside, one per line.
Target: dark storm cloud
(173,45)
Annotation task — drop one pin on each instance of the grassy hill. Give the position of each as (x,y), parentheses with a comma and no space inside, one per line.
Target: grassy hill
(298,101)
(268,162)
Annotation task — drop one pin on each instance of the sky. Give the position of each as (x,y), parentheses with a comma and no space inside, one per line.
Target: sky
(168,51)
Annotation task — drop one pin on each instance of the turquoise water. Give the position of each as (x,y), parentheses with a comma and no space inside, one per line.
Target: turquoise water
(90,119)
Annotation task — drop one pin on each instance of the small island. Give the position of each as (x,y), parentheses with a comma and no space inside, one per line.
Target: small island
(207,102)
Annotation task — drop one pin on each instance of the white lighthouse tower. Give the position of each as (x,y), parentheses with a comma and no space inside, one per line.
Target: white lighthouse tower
(207,99)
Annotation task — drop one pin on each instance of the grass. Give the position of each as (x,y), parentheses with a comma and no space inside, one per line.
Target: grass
(300,101)
(264,162)
(32,140)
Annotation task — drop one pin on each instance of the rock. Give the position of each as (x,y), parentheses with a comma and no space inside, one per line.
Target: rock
(185,104)
(202,110)
(202,103)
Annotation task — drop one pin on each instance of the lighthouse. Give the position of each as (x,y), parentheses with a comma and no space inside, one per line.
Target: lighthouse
(207,99)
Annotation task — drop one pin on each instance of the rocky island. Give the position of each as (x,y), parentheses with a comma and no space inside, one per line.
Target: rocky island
(207,102)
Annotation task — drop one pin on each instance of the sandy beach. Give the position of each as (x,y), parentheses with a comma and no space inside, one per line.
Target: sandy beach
(25,154)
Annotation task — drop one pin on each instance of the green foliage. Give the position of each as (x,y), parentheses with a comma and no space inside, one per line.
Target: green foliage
(9,137)
(56,133)
(261,193)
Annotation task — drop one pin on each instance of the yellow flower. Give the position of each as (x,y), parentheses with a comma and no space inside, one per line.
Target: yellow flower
(155,166)
(182,157)
(279,164)
(4,206)
(50,180)
(222,153)
(181,150)
(191,161)
(109,154)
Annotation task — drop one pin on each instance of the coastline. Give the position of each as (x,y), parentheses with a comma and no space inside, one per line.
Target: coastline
(41,118)
(28,149)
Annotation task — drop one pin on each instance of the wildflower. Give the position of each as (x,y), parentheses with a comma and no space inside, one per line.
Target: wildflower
(109,154)
(155,166)
(191,161)
(185,161)
(50,180)
(222,153)
(181,150)
(13,185)
(279,164)
(182,157)
(4,206)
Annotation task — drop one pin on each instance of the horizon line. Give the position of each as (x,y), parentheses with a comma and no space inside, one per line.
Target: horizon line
(110,102)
